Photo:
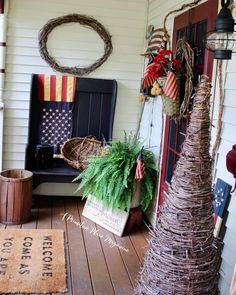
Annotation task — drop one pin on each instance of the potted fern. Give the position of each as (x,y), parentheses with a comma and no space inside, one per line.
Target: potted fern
(111,177)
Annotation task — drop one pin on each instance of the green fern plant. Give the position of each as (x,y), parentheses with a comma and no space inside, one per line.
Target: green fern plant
(110,178)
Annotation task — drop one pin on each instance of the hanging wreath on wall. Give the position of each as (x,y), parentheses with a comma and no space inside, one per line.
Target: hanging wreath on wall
(82,20)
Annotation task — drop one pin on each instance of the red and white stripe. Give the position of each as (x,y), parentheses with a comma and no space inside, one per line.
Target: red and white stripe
(56,88)
(139,173)
(156,42)
(147,80)
(171,88)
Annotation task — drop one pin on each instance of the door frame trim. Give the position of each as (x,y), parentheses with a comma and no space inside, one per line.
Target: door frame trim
(207,10)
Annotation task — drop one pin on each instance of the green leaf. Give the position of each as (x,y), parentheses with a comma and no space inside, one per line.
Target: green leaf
(110,177)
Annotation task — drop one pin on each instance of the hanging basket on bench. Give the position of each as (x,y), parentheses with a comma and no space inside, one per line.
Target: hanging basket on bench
(77,150)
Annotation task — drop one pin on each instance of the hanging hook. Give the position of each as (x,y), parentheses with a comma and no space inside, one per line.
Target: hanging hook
(224,3)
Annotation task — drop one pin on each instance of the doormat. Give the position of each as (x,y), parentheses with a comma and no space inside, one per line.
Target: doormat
(32,261)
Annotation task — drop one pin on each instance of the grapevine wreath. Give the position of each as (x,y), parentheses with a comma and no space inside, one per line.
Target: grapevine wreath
(82,20)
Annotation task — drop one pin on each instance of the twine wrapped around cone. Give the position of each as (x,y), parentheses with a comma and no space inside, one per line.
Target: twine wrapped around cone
(183,257)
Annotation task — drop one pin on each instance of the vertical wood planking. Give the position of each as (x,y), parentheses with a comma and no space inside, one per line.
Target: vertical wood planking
(100,275)
(130,258)
(13,226)
(144,230)
(93,266)
(45,213)
(139,243)
(32,222)
(119,276)
(80,275)
(10,202)
(58,209)
(3,203)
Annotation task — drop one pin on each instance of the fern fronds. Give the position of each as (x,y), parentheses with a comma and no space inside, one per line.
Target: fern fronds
(110,178)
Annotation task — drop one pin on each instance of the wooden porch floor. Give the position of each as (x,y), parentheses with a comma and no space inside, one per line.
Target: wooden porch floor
(93,267)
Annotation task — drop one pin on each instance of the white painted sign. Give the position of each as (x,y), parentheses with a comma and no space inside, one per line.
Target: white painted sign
(114,221)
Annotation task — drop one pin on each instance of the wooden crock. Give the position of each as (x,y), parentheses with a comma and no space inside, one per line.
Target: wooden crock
(15,196)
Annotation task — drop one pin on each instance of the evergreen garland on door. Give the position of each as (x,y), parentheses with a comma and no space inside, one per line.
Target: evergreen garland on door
(183,256)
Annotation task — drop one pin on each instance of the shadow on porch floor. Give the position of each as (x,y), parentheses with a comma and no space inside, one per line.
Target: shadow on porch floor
(93,267)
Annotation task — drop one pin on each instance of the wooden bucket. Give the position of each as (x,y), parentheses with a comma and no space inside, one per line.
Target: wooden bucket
(15,196)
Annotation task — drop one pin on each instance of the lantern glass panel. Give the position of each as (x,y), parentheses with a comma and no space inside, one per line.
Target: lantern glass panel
(221,41)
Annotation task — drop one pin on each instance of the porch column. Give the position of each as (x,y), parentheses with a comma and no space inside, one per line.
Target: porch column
(3,27)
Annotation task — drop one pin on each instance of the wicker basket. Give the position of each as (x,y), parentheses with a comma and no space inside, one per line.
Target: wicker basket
(170,107)
(77,150)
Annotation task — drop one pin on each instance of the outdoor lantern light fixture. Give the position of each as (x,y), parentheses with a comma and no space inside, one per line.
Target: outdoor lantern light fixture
(222,41)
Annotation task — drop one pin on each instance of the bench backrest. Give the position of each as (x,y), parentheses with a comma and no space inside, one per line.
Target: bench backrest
(92,111)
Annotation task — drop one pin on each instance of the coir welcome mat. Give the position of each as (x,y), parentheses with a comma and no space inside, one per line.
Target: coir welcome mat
(32,261)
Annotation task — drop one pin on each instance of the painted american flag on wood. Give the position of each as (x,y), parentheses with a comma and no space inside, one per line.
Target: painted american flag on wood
(56,88)
(56,95)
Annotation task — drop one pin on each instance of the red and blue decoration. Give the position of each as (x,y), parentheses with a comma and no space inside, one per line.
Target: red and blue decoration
(221,201)
(221,195)
(147,79)
(171,88)
(140,168)
(56,95)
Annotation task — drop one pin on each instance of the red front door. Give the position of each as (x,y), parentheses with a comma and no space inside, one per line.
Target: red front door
(193,26)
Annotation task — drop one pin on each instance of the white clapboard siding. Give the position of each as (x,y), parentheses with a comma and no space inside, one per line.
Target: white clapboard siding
(228,254)
(16,122)
(14,148)
(12,164)
(228,139)
(11,140)
(71,44)
(19,131)
(230,97)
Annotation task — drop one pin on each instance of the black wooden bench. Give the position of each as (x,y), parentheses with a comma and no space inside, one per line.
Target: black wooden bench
(93,114)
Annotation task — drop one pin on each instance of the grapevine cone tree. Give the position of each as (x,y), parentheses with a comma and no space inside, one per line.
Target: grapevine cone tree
(182,257)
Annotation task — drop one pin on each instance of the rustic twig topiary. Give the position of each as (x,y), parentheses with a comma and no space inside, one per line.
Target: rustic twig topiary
(183,256)
(85,21)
